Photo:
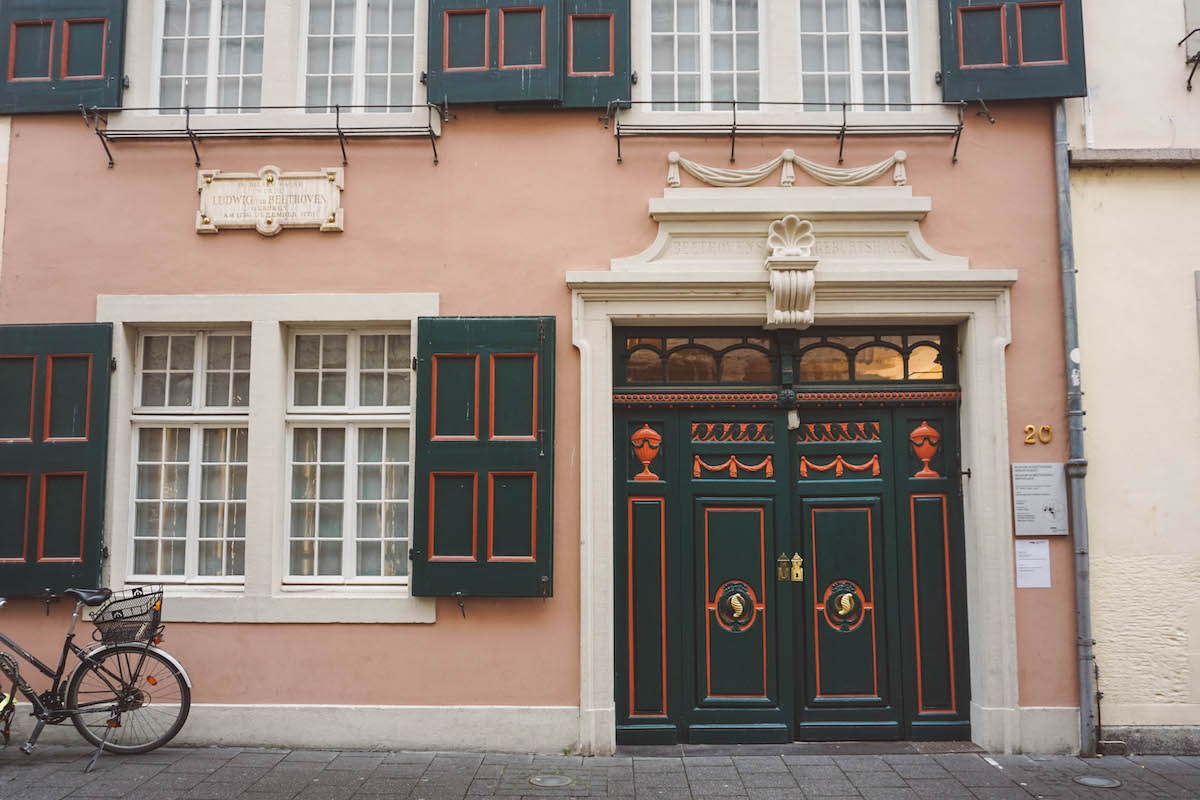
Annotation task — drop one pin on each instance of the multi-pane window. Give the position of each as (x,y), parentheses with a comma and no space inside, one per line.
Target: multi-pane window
(189,497)
(855,51)
(348,445)
(212,55)
(349,502)
(366,370)
(704,50)
(189,501)
(359,52)
(194,370)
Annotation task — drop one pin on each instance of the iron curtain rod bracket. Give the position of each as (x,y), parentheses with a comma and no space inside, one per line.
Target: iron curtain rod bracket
(657,124)
(162,123)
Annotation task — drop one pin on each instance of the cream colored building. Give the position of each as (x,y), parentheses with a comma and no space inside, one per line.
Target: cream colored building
(1135,194)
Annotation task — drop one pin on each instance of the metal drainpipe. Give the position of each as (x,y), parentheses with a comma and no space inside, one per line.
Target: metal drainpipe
(1076,463)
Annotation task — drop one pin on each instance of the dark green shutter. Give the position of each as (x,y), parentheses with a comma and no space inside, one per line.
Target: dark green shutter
(60,54)
(483,51)
(484,483)
(53,445)
(1019,49)
(597,66)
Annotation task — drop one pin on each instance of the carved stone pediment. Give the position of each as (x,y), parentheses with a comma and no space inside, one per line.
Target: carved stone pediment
(856,229)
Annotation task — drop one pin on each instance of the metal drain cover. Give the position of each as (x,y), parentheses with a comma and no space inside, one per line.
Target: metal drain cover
(1097,782)
(551,780)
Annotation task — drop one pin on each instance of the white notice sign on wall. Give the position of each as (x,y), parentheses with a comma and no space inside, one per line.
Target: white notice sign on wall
(1033,563)
(1040,499)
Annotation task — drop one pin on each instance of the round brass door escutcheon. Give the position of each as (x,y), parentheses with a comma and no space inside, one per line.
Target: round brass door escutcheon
(735,606)
(844,603)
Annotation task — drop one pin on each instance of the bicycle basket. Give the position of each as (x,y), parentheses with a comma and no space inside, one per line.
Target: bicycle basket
(131,616)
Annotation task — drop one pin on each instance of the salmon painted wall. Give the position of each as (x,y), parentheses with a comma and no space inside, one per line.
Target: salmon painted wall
(517,199)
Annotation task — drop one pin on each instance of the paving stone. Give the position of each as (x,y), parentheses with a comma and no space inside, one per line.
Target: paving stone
(928,770)
(759,764)
(707,761)
(37,793)
(246,775)
(877,779)
(662,792)
(258,759)
(728,773)
(807,761)
(824,772)
(103,788)
(890,793)
(938,789)
(657,764)
(321,756)
(860,763)
(215,791)
(828,788)
(958,762)
(558,761)
(395,787)
(326,793)
(999,793)
(646,779)
(772,793)
(978,778)
(768,780)
(355,762)
(724,788)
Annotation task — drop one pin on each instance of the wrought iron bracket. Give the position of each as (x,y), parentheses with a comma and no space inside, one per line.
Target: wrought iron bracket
(734,126)
(97,119)
(1193,60)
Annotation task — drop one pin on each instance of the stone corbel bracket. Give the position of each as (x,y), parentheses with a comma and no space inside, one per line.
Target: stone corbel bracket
(790,273)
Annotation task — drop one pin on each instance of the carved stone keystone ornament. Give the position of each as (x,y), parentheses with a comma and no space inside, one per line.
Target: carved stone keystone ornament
(790,270)
(270,200)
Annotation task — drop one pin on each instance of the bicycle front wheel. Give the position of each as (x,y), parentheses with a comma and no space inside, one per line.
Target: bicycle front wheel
(138,696)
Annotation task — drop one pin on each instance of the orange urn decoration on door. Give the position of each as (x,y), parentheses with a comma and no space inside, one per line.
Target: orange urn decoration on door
(645,446)
(925,444)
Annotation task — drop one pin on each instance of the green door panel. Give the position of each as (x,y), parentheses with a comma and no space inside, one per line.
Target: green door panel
(53,448)
(62,54)
(932,572)
(871,645)
(483,510)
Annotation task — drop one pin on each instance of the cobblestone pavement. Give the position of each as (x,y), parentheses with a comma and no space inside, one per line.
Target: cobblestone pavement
(713,772)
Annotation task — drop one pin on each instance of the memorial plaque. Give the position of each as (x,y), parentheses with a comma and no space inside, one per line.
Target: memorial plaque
(270,200)
(1040,499)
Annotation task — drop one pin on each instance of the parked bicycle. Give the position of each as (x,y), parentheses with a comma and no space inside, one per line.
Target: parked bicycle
(126,695)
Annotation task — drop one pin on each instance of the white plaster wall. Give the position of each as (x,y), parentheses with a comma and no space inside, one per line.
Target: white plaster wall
(1137,93)
(1137,257)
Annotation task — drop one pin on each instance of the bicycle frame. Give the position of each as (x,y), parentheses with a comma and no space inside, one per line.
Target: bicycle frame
(41,710)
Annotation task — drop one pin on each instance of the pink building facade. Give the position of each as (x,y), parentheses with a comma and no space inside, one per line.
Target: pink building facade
(281,368)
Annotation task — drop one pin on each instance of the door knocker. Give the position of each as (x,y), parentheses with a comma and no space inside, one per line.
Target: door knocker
(735,606)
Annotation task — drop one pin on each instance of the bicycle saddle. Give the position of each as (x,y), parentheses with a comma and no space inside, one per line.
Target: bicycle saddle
(90,597)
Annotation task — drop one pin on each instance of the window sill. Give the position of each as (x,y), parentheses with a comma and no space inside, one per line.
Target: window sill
(381,606)
(923,116)
(139,119)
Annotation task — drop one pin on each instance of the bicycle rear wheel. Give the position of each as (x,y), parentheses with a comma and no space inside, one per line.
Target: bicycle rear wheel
(151,706)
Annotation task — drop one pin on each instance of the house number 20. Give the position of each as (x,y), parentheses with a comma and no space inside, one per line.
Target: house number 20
(1034,435)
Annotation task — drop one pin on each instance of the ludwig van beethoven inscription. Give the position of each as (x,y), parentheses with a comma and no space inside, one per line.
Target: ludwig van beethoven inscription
(270,200)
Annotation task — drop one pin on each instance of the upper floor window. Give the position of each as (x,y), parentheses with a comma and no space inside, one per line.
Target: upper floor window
(192,371)
(703,49)
(855,51)
(359,52)
(212,55)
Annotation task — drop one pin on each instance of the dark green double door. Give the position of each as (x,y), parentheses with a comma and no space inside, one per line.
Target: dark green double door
(718,511)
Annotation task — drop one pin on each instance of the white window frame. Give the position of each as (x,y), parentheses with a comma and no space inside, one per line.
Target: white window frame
(199,373)
(347,416)
(264,596)
(359,81)
(854,23)
(195,425)
(349,501)
(705,35)
(212,73)
(284,42)
(353,366)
